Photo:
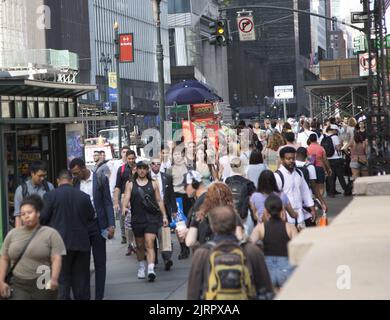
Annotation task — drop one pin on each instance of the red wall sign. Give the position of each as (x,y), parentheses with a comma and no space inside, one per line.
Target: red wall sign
(126,48)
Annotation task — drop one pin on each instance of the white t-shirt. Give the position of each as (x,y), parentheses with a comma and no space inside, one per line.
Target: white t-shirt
(303,137)
(227,170)
(310,168)
(336,141)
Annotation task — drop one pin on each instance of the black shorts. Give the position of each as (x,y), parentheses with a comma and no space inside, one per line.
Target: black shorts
(140,230)
(320,175)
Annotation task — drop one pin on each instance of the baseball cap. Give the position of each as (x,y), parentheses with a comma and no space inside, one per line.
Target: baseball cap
(191,177)
(142,164)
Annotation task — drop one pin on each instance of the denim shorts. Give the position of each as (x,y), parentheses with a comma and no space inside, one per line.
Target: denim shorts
(279,270)
(356,165)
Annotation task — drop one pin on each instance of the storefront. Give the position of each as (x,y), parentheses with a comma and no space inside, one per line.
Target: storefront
(38,121)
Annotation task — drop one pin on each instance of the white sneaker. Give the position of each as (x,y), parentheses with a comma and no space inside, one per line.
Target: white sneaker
(151,276)
(141,273)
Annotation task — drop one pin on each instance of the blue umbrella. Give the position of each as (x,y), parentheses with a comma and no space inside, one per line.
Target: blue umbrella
(190,95)
(192,84)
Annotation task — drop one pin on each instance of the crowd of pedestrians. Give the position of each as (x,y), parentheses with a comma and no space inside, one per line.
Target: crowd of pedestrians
(241,203)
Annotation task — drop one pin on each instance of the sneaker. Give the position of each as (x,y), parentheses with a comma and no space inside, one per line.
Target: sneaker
(151,276)
(124,240)
(168,265)
(141,273)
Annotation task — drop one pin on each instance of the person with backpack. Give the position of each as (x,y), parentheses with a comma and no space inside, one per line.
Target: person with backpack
(37,184)
(242,189)
(267,186)
(292,182)
(275,235)
(124,174)
(103,227)
(332,145)
(312,178)
(317,156)
(142,196)
(226,269)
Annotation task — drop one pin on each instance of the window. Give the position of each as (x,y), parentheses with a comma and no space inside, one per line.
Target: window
(179,6)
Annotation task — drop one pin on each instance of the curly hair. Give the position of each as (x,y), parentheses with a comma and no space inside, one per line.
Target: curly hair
(218,194)
(276,141)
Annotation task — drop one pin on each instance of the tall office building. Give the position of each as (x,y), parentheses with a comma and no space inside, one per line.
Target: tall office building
(191,55)
(280,55)
(86,27)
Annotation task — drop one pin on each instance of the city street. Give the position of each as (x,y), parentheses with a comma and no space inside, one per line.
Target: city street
(122,282)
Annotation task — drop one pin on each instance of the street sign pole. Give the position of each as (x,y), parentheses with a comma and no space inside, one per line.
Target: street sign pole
(118,77)
(285,109)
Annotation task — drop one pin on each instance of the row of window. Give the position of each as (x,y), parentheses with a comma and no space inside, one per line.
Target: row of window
(137,18)
(37,109)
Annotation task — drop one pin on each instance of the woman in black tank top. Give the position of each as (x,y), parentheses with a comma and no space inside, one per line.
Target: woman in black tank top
(275,235)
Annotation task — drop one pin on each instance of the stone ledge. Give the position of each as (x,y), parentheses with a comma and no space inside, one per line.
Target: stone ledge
(358,238)
(372,186)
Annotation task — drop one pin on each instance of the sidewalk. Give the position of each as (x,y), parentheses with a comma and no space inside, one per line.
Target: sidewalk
(122,282)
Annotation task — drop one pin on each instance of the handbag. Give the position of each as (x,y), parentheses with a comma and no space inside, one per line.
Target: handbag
(362,160)
(9,274)
(149,204)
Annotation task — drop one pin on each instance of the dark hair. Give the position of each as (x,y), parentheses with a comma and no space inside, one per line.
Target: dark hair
(33,200)
(242,123)
(256,157)
(285,151)
(286,126)
(274,206)
(102,152)
(130,152)
(223,220)
(289,136)
(313,137)
(38,165)
(65,174)
(358,137)
(302,153)
(274,123)
(250,126)
(332,120)
(125,148)
(96,151)
(267,183)
(77,162)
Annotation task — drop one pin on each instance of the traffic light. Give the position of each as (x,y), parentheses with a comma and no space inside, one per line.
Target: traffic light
(219,31)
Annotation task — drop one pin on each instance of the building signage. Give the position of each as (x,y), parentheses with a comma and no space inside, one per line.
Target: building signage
(284,92)
(126,48)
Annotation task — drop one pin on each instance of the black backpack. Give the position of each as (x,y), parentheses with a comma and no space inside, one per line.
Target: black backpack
(327,144)
(241,193)
(25,189)
(305,172)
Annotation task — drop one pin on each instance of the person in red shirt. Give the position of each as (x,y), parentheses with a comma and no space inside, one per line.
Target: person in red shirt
(317,156)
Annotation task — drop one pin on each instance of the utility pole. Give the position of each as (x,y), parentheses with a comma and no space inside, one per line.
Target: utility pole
(118,78)
(160,66)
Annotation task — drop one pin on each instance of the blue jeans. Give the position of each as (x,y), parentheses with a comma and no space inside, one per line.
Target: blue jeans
(279,270)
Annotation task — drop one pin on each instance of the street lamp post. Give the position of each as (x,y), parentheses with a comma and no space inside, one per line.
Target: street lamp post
(106,60)
(160,64)
(119,104)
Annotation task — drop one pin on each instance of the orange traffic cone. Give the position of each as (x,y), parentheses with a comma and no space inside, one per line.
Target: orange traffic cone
(323,220)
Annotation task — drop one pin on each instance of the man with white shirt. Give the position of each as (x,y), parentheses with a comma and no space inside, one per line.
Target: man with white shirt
(103,227)
(303,137)
(293,184)
(165,184)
